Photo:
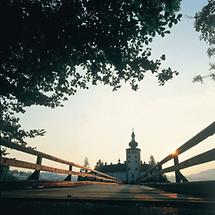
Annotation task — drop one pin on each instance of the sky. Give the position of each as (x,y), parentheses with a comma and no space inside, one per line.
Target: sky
(97,123)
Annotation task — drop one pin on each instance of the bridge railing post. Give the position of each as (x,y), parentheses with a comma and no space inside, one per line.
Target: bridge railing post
(86,178)
(161,175)
(69,177)
(95,179)
(177,173)
(36,174)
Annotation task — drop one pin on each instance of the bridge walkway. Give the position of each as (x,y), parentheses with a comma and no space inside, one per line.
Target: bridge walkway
(114,192)
(104,199)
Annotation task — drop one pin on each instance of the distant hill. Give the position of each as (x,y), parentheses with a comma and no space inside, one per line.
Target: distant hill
(54,177)
(205,175)
(202,176)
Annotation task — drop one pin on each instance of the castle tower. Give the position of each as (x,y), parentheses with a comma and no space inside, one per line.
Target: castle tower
(133,160)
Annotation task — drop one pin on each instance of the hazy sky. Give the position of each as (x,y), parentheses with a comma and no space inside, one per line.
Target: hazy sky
(97,123)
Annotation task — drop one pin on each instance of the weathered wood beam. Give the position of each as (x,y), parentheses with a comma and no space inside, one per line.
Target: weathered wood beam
(196,160)
(177,176)
(202,135)
(36,174)
(69,177)
(27,150)
(199,188)
(27,165)
(182,177)
(11,185)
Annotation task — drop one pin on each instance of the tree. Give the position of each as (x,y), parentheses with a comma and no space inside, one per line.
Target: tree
(99,163)
(5,174)
(86,163)
(152,161)
(158,178)
(205,24)
(51,48)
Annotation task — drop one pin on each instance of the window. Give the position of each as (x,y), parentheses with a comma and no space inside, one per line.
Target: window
(129,168)
(135,161)
(136,169)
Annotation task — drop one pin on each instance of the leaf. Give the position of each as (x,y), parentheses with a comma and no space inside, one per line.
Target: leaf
(170,25)
(179,16)
(163,57)
(50,51)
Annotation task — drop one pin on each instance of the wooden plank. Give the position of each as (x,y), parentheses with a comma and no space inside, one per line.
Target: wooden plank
(200,188)
(177,174)
(36,174)
(31,151)
(14,185)
(27,165)
(111,192)
(202,135)
(27,150)
(196,160)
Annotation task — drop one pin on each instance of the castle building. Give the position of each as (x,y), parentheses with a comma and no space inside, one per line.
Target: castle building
(131,169)
(133,161)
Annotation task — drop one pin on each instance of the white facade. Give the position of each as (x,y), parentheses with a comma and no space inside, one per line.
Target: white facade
(133,164)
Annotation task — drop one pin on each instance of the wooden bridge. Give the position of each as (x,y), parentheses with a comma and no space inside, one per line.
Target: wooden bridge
(105,194)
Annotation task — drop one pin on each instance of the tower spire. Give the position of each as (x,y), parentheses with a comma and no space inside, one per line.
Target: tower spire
(132,135)
(133,143)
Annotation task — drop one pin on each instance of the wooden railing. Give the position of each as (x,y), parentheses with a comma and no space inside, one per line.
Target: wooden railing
(205,157)
(88,174)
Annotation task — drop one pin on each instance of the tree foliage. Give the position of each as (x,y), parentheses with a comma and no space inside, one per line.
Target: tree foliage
(99,163)
(86,162)
(51,48)
(152,161)
(205,24)
(5,174)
